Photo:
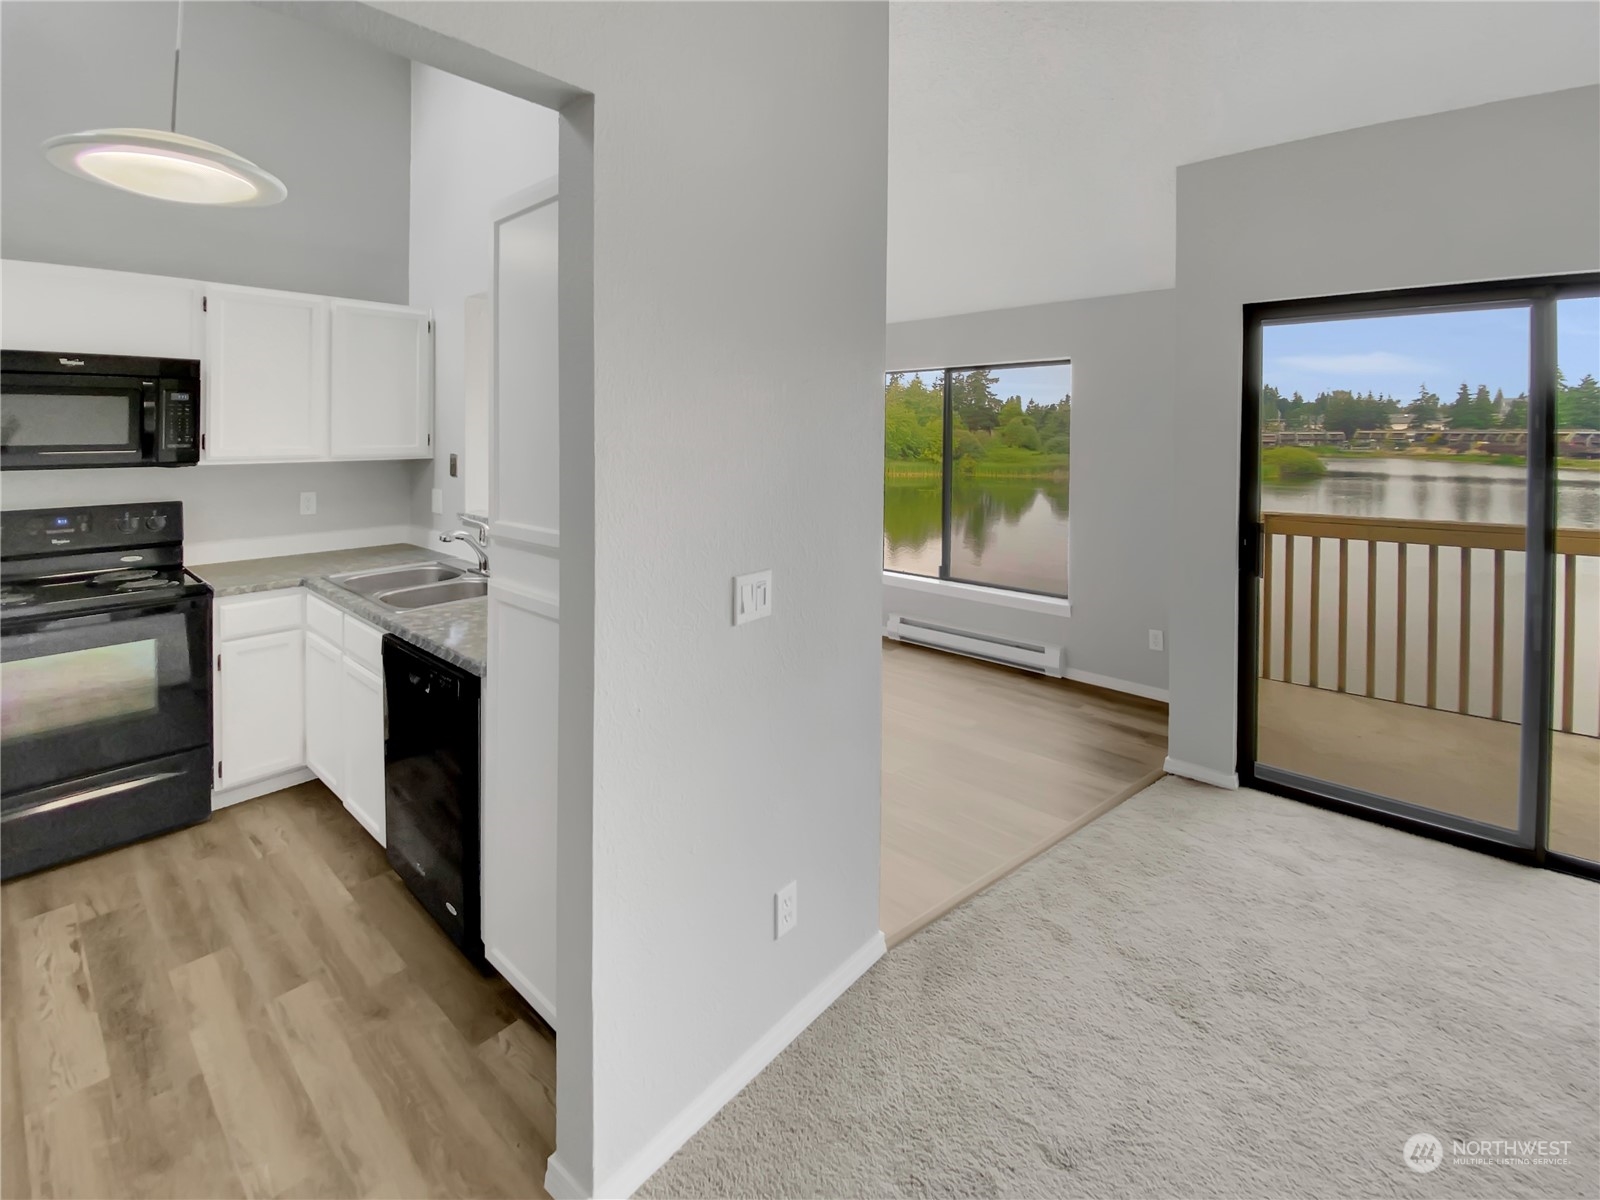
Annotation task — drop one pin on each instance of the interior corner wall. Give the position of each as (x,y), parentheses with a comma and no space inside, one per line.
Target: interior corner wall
(740,188)
(1500,191)
(471,148)
(1119,500)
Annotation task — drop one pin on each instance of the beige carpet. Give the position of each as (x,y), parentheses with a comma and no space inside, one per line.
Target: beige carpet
(1202,993)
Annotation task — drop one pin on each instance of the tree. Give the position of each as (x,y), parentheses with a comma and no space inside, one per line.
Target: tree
(1424,410)
(1470,413)
(1516,414)
(1271,404)
(1348,413)
(1578,407)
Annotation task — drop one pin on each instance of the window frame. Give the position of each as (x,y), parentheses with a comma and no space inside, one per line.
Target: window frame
(947,482)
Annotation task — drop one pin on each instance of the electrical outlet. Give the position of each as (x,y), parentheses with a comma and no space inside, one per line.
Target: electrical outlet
(438,500)
(1158,640)
(752,597)
(308,504)
(786,910)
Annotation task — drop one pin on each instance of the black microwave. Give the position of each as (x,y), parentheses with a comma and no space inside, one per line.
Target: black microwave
(97,410)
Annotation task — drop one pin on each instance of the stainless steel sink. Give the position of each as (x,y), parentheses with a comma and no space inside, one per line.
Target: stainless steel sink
(430,594)
(387,579)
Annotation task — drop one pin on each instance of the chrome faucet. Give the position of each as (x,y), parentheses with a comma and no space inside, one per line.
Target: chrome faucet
(473,539)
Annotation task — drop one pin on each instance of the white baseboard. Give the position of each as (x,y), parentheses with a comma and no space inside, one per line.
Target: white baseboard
(631,1175)
(235,549)
(1189,770)
(558,1181)
(1117,685)
(541,1003)
(223,797)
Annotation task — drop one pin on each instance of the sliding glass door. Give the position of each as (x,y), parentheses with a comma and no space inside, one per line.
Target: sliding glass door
(1419,584)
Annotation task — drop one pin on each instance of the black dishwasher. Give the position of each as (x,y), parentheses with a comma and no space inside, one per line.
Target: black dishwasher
(430,764)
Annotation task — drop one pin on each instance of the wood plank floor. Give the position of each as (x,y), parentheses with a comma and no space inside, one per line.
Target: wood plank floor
(985,766)
(257,1007)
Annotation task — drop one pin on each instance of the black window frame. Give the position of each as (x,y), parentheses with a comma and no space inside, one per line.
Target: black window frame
(1539,295)
(947,478)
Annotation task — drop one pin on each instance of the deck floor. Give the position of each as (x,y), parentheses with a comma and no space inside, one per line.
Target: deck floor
(1457,764)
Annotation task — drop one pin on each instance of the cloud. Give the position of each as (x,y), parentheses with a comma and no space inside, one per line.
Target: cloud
(1373,362)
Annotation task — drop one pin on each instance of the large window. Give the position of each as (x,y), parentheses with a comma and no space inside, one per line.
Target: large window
(975,475)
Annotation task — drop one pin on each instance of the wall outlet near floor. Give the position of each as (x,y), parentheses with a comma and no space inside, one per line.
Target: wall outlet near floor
(1158,640)
(308,504)
(785,910)
(438,500)
(752,597)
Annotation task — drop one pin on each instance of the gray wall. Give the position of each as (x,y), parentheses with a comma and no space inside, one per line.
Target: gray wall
(739,198)
(239,510)
(471,147)
(328,115)
(1499,191)
(1122,377)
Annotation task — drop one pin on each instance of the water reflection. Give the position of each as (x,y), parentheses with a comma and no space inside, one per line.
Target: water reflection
(1011,533)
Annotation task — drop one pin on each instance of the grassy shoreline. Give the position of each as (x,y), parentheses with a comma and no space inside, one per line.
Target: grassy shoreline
(1053,467)
(1471,456)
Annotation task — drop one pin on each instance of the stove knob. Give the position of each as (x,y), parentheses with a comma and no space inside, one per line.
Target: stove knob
(156,521)
(126,524)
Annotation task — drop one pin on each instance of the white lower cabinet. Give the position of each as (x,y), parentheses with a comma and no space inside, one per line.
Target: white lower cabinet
(260,698)
(325,743)
(300,684)
(362,716)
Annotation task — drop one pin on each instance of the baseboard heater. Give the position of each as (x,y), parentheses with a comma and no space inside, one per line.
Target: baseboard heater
(1030,656)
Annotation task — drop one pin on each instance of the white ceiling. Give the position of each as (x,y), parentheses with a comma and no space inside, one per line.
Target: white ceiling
(1032,147)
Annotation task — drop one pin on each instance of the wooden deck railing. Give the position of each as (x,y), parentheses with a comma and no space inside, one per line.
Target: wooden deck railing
(1306,611)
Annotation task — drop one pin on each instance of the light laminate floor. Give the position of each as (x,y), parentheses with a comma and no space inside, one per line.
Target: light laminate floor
(257,1007)
(985,766)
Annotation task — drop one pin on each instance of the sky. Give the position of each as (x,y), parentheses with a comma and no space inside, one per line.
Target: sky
(1045,384)
(1396,355)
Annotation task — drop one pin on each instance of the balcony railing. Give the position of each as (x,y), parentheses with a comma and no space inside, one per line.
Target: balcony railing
(1426,613)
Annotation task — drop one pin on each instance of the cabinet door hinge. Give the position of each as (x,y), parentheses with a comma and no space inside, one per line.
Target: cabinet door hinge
(430,439)
(219,662)
(203,300)
(202,441)
(219,768)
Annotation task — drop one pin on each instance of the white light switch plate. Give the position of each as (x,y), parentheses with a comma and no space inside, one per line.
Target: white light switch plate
(752,597)
(308,504)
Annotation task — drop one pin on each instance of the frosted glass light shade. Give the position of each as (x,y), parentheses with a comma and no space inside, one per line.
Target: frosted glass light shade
(165,166)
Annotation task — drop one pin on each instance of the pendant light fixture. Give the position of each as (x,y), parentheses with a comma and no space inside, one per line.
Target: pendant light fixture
(165,164)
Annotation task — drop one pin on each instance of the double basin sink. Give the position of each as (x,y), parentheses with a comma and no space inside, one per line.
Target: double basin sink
(417,585)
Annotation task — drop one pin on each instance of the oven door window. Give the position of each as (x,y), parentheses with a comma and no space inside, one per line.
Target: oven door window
(87,693)
(48,420)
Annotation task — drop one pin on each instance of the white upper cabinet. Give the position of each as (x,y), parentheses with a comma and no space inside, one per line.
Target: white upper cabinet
(382,390)
(265,384)
(81,310)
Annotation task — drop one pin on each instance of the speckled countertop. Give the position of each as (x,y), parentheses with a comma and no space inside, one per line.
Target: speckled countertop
(457,632)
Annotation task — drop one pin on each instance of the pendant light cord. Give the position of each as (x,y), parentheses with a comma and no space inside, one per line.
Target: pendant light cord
(177,55)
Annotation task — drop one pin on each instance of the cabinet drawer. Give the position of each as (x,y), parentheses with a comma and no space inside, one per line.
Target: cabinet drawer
(363,643)
(324,620)
(246,616)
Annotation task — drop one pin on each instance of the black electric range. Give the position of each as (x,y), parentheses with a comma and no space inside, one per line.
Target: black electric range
(105,682)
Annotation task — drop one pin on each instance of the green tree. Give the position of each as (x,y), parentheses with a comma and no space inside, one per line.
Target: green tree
(1577,407)
(1424,410)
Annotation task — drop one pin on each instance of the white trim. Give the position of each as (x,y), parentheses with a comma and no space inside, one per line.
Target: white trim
(559,1181)
(223,797)
(1118,685)
(629,1177)
(1055,606)
(526,198)
(1189,770)
(234,549)
(541,1003)
(534,537)
(520,595)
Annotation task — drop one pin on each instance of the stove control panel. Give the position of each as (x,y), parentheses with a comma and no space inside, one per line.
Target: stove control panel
(28,532)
